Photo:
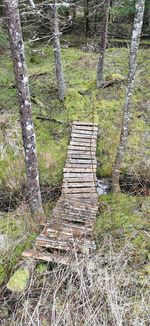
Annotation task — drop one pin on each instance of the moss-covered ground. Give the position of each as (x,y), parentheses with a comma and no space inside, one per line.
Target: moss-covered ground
(121,215)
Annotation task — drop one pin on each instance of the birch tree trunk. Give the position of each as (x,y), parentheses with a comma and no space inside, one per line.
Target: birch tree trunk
(135,40)
(28,134)
(57,54)
(104,30)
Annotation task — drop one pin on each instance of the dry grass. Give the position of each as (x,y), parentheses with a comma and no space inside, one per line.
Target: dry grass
(99,290)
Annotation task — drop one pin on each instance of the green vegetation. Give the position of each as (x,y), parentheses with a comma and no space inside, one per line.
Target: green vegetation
(124,217)
(83,102)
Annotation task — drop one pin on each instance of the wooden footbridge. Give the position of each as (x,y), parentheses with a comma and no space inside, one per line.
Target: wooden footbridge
(70,230)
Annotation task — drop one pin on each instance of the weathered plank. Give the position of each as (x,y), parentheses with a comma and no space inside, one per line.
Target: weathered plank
(81,153)
(49,257)
(80,123)
(78,175)
(82,148)
(77,142)
(82,179)
(78,190)
(78,165)
(78,170)
(90,128)
(87,133)
(64,245)
(83,136)
(80,160)
(79,185)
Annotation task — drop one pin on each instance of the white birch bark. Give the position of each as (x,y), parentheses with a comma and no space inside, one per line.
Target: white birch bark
(135,40)
(100,66)
(57,53)
(22,84)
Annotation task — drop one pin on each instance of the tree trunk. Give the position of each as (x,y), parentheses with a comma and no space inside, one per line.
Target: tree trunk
(104,29)
(137,27)
(57,54)
(22,84)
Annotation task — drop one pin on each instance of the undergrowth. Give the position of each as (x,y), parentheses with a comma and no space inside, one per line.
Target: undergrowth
(98,290)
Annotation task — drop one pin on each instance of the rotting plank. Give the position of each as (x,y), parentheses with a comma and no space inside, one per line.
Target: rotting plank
(49,257)
(64,245)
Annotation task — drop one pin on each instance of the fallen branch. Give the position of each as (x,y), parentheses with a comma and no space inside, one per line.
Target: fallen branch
(49,119)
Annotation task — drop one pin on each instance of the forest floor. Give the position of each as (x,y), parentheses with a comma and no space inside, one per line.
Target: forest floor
(122,229)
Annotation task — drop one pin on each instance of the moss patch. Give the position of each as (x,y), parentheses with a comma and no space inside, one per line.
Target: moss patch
(19,281)
(121,217)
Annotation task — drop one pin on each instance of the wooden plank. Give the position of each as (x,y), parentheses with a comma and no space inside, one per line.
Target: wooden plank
(87,154)
(83,136)
(49,257)
(78,170)
(80,157)
(81,161)
(83,180)
(78,165)
(68,227)
(64,245)
(77,175)
(80,123)
(78,190)
(92,196)
(82,148)
(79,149)
(79,219)
(83,142)
(66,234)
(78,185)
(79,127)
(87,133)
(77,142)
(66,211)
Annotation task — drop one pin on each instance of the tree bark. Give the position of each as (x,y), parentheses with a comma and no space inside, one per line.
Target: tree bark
(104,30)
(57,54)
(135,40)
(22,84)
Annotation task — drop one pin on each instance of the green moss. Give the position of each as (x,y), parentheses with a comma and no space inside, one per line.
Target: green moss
(41,268)
(121,217)
(2,274)
(19,281)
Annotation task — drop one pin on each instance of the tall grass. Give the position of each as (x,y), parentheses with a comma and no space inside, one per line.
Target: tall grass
(101,289)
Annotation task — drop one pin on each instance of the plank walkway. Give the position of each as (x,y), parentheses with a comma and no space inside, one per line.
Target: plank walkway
(70,230)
